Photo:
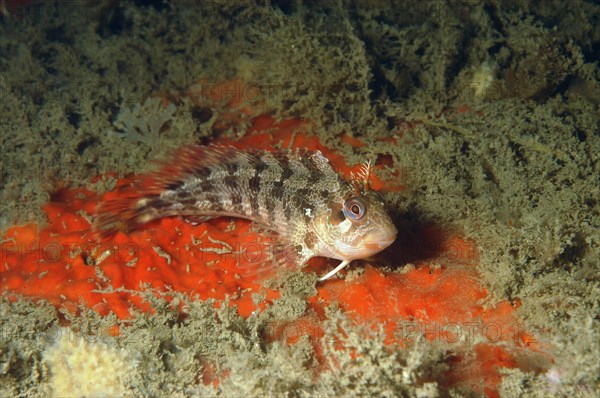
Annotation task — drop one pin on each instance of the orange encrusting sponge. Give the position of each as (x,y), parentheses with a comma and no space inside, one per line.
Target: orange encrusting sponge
(65,265)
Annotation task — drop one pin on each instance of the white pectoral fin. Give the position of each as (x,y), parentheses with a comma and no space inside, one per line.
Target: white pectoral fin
(334,271)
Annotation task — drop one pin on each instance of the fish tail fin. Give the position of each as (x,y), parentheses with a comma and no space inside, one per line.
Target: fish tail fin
(135,202)
(125,213)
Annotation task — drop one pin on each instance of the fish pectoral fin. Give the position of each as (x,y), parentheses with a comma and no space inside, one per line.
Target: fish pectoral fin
(265,259)
(334,271)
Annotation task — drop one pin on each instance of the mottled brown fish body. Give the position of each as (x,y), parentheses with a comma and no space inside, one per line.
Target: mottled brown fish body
(292,192)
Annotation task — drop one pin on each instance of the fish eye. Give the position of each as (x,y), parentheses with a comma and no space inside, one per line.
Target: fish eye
(355,208)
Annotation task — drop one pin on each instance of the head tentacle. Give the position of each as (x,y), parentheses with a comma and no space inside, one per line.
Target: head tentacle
(361,180)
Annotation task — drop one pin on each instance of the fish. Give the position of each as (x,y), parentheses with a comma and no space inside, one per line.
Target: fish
(294,193)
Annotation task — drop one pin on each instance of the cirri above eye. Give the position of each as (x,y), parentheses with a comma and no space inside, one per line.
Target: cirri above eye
(355,208)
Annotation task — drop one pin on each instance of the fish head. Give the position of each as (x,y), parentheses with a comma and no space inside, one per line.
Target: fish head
(354,227)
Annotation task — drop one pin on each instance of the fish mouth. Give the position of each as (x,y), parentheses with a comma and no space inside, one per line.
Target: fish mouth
(379,243)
